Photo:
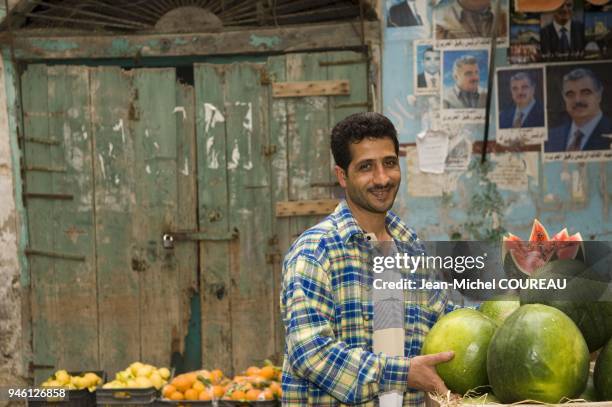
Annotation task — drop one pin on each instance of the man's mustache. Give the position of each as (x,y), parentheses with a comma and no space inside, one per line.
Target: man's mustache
(580,104)
(379,188)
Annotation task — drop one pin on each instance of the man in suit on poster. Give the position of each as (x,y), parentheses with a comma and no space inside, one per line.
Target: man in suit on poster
(404,14)
(564,36)
(587,127)
(527,111)
(430,77)
(466,93)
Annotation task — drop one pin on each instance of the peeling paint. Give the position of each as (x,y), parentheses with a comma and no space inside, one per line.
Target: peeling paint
(235,159)
(267,42)
(119,127)
(181,109)
(212,116)
(185,170)
(212,156)
(148,169)
(156,145)
(102,169)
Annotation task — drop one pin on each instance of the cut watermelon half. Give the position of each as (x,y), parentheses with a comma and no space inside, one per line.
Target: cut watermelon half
(528,256)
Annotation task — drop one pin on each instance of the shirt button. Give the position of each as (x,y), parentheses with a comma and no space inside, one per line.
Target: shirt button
(366,317)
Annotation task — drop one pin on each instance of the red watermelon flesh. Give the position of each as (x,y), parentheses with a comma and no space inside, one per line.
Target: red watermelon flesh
(528,256)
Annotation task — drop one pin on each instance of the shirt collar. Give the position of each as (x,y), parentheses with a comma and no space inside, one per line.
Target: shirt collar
(347,225)
(586,129)
(568,27)
(428,75)
(526,109)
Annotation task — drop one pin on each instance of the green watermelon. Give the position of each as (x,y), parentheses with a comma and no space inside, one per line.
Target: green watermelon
(602,378)
(498,310)
(593,318)
(537,354)
(467,332)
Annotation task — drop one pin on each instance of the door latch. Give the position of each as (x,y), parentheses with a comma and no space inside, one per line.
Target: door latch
(169,238)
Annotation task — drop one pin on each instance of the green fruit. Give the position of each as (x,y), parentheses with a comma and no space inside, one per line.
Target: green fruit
(594,319)
(602,378)
(467,332)
(537,354)
(499,310)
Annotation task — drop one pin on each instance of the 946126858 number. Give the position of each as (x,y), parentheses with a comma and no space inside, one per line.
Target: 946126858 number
(32,393)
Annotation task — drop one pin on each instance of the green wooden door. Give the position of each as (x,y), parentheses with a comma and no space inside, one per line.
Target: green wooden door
(255,150)
(115,158)
(110,166)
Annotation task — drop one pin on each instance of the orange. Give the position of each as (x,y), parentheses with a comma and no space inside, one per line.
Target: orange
(216,376)
(275,388)
(205,395)
(238,395)
(198,386)
(267,372)
(268,394)
(218,391)
(191,394)
(177,395)
(182,383)
(252,371)
(168,390)
(252,394)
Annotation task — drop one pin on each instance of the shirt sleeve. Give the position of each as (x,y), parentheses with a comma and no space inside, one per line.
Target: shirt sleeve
(351,375)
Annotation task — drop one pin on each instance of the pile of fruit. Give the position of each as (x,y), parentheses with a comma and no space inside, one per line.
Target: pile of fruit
(534,346)
(63,379)
(139,376)
(255,384)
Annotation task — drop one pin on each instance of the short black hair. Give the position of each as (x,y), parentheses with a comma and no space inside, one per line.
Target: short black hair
(355,128)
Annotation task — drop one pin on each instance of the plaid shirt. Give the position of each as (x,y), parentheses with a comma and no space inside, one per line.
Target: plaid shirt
(327,315)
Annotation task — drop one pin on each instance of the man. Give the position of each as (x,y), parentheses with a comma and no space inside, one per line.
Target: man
(404,14)
(466,93)
(468,19)
(563,36)
(430,77)
(328,325)
(527,110)
(587,126)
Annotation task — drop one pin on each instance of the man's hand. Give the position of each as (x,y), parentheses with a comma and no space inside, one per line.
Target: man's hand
(423,375)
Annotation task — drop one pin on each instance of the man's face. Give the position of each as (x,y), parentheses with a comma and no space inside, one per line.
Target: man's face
(476,5)
(581,99)
(373,175)
(431,62)
(522,92)
(564,13)
(467,78)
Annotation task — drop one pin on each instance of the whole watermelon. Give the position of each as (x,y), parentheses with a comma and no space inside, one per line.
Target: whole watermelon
(602,378)
(537,354)
(467,332)
(578,300)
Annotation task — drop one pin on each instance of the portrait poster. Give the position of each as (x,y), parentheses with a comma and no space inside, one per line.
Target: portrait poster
(579,112)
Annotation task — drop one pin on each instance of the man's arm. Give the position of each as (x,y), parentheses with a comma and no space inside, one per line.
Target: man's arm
(351,375)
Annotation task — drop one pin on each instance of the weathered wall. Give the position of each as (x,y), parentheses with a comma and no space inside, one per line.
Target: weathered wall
(465,203)
(10,287)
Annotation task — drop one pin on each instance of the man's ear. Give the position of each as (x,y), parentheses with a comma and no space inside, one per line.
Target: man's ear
(341,175)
